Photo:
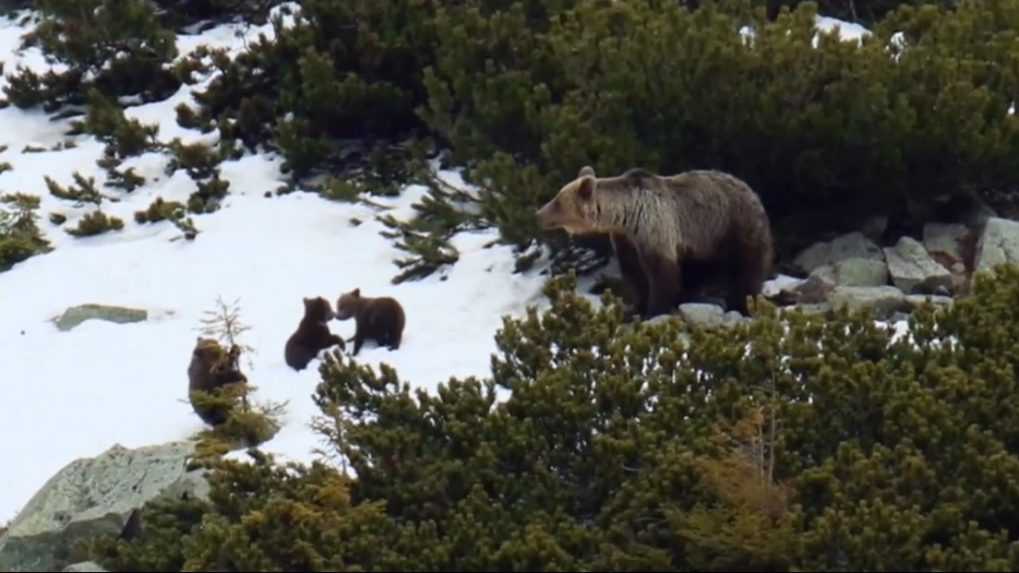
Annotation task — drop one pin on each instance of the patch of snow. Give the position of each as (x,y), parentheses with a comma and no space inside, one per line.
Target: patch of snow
(847,31)
(779,283)
(74,394)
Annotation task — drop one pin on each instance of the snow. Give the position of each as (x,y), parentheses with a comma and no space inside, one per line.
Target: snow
(74,394)
(847,31)
(68,395)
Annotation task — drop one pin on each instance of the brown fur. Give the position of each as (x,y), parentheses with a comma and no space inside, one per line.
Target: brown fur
(381,318)
(211,368)
(312,334)
(671,234)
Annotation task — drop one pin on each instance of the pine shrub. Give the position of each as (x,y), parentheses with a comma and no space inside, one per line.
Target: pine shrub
(791,442)
(96,223)
(20,236)
(119,45)
(160,210)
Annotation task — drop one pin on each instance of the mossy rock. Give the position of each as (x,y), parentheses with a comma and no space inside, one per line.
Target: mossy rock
(76,315)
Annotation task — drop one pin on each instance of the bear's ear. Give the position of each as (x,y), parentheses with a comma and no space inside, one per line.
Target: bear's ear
(357,292)
(586,188)
(586,171)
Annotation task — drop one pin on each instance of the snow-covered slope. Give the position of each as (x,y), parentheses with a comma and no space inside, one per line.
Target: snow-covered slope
(66,395)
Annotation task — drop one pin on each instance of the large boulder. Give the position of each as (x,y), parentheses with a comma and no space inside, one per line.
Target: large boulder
(998,244)
(706,315)
(76,315)
(884,301)
(913,270)
(848,246)
(944,243)
(854,271)
(96,496)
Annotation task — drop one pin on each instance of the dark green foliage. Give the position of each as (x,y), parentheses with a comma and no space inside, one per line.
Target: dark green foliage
(179,13)
(96,223)
(20,237)
(26,88)
(345,70)
(5,167)
(795,443)
(126,180)
(198,159)
(208,196)
(84,192)
(106,120)
(91,36)
(245,426)
(439,216)
(252,522)
(527,92)
(57,218)
(160,210)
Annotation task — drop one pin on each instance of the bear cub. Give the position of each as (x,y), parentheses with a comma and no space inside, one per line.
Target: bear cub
(211,368)
(312,334)
(380,318)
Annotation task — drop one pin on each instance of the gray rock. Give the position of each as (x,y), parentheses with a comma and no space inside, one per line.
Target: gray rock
(912,269)
(85,566)
(76,315)
(855,271)
(735,317)
(701,314)
(814,290)
(944,242)
(660,319)
(917,300)
(848,246)
(999,244)
(811,308)
(95,496)
(883,300)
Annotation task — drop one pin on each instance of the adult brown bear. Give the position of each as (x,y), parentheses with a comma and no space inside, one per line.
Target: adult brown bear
(661,225)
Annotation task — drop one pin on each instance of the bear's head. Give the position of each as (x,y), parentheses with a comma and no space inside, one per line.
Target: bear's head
(318,309)
(208,350)
(573,208)
(348,304)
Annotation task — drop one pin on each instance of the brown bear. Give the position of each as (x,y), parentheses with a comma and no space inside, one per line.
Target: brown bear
(312,334)
(212,368)
(380,318)
(672,234)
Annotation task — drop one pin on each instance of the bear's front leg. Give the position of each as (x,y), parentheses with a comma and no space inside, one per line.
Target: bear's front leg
(664,288)
(358,339)
(337,340)
(632,271)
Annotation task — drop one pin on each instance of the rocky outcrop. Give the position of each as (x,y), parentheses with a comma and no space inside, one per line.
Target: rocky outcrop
(76,315)
(884,301)
(913,270)
(708,315)
(95,496)
(944,243)
(998,244)
(854,271)
(848,246)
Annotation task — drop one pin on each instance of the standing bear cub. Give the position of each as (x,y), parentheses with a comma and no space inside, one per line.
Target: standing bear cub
(381,319)
(312,334)
(665,227)
(212,367)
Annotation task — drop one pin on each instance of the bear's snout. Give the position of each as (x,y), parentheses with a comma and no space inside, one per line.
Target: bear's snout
(546,215)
